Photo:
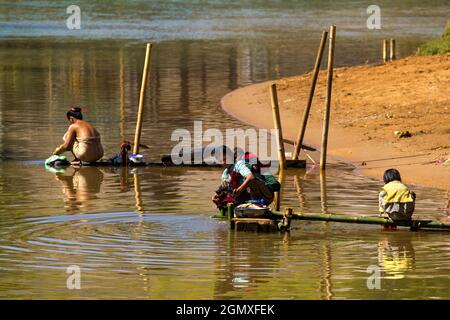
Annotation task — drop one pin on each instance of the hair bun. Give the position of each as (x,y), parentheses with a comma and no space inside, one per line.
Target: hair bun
(76,109)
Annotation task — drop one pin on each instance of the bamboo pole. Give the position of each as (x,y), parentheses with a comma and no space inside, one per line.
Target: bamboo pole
(326,118)
(277,124)
(385,48)
(392,50)
(425,224)
(315,74)
(137,135)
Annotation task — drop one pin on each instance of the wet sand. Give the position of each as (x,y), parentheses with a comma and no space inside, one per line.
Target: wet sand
(369,104)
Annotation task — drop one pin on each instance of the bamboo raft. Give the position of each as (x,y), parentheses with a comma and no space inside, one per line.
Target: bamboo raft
(281,221)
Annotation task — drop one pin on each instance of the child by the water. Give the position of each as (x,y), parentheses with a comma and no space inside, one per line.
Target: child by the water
(395,199)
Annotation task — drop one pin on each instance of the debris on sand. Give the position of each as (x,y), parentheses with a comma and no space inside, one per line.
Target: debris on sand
(402,134)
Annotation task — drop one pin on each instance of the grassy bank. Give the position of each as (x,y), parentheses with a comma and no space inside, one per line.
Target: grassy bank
(437,46)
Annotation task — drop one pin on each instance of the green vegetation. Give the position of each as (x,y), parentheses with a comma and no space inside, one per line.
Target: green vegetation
(437,46)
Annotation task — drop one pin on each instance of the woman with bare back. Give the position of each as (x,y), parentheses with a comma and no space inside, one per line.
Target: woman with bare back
(81,138)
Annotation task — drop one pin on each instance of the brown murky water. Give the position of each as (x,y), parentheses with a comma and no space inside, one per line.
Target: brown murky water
(147,233)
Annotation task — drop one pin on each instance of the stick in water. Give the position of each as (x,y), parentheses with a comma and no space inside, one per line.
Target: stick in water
(137,135)
(326,118)
(277,125)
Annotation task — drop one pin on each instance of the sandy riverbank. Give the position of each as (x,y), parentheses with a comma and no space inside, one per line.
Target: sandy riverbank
(369,104)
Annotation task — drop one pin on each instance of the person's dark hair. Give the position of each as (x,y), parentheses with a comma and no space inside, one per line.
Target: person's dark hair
(391,175)
(75,112)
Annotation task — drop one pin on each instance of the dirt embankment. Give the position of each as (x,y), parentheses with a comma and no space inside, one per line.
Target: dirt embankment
(369,104)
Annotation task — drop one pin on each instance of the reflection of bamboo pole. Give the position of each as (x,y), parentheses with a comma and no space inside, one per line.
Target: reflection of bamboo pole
(385,48)
(300,193)
(230,215)
(122,96)
(278,195)
(323,192)
(392,50)
(315,74)
(123,179)
(50,98)
(277,124)
(448,203)
(137,135)
(326,118)
(137,192)
(326,281)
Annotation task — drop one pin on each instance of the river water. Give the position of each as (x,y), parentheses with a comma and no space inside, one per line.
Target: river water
(147,233)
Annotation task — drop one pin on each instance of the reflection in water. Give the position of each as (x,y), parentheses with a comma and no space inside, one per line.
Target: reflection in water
(246,253)
(122,96)
(396,257)
(137,192)
(50,100)
(325,283)
(80,186)
(323,192)
(300,193)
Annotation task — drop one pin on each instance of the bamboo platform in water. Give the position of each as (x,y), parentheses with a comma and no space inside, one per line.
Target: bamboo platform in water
(285,218)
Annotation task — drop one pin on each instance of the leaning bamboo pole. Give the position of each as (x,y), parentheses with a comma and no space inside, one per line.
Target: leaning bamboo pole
(326,118)
(137,135)
(277,125)
(301,133)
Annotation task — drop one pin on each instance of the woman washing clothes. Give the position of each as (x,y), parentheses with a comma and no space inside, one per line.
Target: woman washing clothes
(81,138)
(242,181)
